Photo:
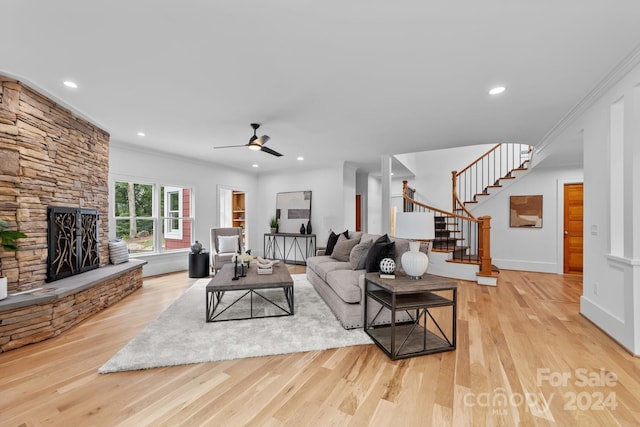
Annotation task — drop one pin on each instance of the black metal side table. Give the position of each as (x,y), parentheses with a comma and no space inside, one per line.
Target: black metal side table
(422,334)
(199,265)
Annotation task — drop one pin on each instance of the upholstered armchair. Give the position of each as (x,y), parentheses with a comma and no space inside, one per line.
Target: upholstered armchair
(225,241)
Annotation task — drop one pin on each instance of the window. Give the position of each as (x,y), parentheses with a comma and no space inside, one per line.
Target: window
(152,218)
(172,212)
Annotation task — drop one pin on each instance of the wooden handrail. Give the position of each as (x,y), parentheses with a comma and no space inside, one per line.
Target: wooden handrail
(478,159)
(431,208)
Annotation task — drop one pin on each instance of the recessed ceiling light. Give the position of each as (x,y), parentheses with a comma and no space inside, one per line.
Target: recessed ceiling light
(391,173)
(70,84)
(497,90)
(254,165)
(140,133)
(300,158)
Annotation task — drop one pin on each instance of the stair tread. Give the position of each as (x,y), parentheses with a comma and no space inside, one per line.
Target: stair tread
(463,261)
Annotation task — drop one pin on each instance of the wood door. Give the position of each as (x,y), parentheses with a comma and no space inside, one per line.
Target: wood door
(573,228)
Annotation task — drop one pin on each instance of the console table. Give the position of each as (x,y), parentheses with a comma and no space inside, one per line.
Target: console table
(289,246)
(415,297)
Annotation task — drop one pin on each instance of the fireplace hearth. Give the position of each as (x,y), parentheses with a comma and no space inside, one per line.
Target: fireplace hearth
(72,238)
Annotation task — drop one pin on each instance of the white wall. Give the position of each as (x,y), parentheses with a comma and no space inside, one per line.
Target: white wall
(611,284)
(362,188)
(349,195)
(374,206)
(128,163)
(530,249)
(432,179)
(327,199)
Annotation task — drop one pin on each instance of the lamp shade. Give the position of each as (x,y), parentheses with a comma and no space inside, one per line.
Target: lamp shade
(415,226)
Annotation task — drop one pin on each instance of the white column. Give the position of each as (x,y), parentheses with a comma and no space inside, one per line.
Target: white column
(385,203)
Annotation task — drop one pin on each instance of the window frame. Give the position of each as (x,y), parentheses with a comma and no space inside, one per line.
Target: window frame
(158,218)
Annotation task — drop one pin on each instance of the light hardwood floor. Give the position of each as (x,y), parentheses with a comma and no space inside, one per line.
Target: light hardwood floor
(516,343)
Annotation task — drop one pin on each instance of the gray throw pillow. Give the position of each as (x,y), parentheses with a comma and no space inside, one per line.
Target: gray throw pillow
(359,254)
(342,249)
(118,251)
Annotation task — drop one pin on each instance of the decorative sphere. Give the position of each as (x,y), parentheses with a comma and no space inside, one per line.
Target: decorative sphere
(196,247)
(387,266)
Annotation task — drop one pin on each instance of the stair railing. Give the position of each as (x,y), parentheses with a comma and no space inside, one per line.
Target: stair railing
(486,172)
(476,232)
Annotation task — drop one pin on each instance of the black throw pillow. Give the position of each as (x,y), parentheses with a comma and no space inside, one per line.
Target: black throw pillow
(333,238)
(382,248)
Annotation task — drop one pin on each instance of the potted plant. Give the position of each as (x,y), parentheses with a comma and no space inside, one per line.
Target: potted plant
(8,243)
(274,224)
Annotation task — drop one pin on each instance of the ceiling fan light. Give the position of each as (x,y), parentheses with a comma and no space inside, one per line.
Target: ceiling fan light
(254,147)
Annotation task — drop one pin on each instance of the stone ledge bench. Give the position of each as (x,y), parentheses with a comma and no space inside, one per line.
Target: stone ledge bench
(47,312)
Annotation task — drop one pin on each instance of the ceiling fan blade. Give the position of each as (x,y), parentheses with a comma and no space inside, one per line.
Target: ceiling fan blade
(232,146)
(270,151)
(263,139)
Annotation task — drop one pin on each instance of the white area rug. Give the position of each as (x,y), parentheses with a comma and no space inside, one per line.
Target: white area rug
(180,335)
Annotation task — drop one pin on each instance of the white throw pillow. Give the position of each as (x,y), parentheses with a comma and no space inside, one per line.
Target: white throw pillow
(227,244)
(118,251)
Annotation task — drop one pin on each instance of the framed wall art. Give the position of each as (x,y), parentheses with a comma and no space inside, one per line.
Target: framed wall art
(525,211)
(293,209)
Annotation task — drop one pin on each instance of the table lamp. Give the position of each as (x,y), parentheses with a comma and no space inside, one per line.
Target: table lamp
(415,226)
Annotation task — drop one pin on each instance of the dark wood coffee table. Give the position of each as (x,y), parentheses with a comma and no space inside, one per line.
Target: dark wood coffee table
(252,284)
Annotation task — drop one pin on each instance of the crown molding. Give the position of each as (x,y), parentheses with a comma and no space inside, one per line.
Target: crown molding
(617,73)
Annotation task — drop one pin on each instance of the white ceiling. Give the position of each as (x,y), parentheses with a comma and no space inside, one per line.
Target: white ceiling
(329,80)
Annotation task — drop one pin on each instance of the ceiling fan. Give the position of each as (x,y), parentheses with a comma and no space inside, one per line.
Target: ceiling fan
(256,143)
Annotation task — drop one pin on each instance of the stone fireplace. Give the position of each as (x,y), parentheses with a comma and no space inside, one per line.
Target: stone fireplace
(49,157)
(53,162)
(72,237)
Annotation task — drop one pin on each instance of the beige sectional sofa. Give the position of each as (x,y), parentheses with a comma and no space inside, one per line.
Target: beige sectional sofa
(342,287)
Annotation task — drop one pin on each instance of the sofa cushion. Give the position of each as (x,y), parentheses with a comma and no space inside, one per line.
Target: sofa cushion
(314,261)
(345,284)
(359,254)
(325,268)
(355,235)
(331,242)
(367,236)
(382,248)
(343,248)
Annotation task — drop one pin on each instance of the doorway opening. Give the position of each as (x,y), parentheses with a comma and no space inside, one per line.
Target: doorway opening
(233,209)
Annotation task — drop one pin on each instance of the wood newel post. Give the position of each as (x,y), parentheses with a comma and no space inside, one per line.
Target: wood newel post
(405,184)
(484,245)
(454,190)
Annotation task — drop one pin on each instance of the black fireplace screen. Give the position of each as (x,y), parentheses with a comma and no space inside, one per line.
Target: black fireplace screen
(72,241)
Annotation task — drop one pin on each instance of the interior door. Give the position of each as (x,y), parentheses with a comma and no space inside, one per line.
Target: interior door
(573,228)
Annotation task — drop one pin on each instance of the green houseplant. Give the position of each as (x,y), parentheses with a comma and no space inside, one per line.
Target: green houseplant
(274,224)
(8,243)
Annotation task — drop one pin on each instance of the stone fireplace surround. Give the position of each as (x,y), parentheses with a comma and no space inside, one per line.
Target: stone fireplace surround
(49,156)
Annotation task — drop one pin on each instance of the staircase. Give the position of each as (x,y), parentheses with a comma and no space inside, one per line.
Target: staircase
(461,239)
(488,173)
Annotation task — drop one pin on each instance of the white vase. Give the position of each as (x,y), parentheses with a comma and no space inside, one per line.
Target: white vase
(3,287)
(414,262)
